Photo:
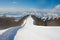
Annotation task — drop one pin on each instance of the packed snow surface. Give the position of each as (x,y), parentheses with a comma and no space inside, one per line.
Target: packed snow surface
(31,32)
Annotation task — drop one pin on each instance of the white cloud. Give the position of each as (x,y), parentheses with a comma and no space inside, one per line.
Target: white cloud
(14,2)
(57,7)
(55,11)
(51,12)
(41,2)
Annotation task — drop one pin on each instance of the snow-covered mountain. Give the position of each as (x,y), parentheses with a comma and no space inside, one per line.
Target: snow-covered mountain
(30,32)
(18,12)
(9,33)
(40,13)
(33,32)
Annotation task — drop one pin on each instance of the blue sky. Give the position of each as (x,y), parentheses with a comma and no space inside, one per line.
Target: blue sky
(29,3)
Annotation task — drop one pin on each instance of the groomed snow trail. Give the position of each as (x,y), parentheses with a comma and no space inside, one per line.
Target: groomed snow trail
(32,32)
(9,33)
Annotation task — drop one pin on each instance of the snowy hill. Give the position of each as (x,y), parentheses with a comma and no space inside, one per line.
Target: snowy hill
(30,32)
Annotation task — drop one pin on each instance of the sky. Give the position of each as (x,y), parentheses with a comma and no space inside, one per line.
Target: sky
(29,3)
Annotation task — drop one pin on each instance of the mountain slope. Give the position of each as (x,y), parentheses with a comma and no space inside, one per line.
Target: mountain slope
(32,32)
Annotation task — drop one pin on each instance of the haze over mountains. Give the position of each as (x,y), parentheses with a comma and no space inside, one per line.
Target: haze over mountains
(18,12)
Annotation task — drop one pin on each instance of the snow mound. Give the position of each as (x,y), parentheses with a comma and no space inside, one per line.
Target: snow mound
(28,31)
(9,34)
(32,32)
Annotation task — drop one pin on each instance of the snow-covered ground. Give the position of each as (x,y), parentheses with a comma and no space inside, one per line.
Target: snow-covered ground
(33,32)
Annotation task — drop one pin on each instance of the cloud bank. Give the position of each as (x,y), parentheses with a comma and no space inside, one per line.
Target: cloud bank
(55,12)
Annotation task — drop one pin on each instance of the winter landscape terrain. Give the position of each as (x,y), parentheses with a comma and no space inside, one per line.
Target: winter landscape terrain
(15,25)
(28,31)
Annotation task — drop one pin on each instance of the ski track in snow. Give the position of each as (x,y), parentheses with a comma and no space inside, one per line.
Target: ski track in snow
(9,34)
(31,32)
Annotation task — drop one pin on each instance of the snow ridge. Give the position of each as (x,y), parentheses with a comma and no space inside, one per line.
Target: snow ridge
(9,34)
